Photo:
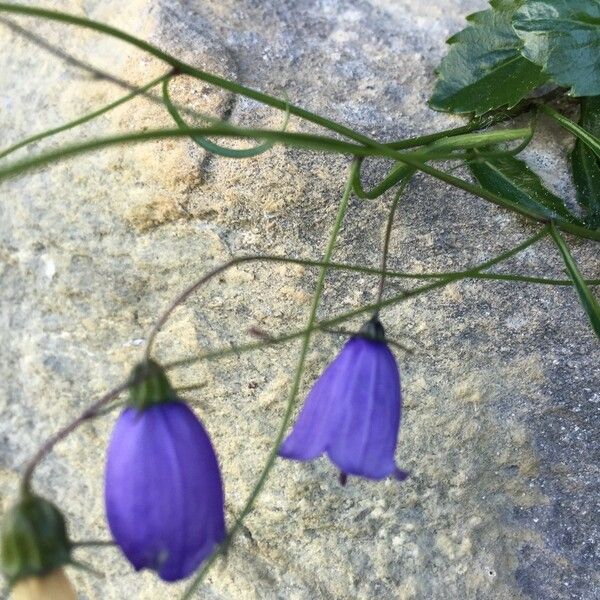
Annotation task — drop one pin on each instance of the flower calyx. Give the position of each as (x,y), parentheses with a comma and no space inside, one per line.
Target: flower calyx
(373,330)
(149,385)
(33,539)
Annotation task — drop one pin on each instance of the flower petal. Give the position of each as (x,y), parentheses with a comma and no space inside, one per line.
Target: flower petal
(366,439)
(164,498)
(321,413)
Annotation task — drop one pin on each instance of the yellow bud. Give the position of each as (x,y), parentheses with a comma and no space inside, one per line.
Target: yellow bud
(53,586)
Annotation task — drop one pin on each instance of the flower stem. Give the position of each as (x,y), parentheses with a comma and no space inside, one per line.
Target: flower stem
(94,544)
(87,414)
(386,241)
(365,142)
(291,402)
(326,323)
(85,118)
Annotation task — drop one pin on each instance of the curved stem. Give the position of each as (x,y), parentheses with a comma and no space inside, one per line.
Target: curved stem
(87,414)
(301,140)
(185,68)
(236,88)
(185,295)
(465,274)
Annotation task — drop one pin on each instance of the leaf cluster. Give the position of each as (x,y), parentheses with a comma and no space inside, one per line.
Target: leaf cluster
(503,59)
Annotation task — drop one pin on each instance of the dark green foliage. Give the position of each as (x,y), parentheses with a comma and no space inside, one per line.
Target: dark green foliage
(563,38)
(484,69)
(512,179)
(586,164)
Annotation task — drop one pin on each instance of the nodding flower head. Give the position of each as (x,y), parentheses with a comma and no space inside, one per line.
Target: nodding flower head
(163,490)
(353,410)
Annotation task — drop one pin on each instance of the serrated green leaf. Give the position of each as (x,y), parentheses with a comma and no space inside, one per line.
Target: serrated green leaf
(563,37)
(586,165)
(512,179)
(484,69)
(587,299)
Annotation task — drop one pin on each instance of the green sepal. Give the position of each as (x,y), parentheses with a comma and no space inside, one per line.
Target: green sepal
(373,330)
(33,539)
(149,385)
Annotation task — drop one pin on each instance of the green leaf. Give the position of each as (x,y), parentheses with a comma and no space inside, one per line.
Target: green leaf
(484,68)
(563,37)
(587,299)
(589,139)
(512,179)
(586,165)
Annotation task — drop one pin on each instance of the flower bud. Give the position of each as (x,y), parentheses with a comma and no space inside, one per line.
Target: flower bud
(33,548)
(52,586)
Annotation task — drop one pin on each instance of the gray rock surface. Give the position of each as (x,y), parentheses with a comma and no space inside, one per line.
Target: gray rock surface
(501,394)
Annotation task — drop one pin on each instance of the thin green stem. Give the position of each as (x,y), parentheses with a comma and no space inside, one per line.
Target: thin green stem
(100,74)
(291,402)
(187,69)
(94,544)
(236,88)
(191,387)
(424,140)
(84,119)
(369,308)
(301,140)
(387,238)
(482,122)
(249,92)
(382,273)
(207,144)
(398,172)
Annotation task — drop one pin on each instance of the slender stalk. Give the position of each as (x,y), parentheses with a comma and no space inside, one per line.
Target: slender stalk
(84,119)
(236,88)
(386,241)
(191,387)
(328,323)
(87,414)
(293,392)
(94,544)
(185,68)
(103,75)
(482,122)
(301,140)
(382,273)
(185,295)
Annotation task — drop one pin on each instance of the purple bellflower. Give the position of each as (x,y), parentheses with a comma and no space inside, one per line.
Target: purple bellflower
(163,489)
(353,410)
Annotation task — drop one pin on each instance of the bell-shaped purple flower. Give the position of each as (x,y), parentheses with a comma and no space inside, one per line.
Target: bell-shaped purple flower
(353,410)
(163,490)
